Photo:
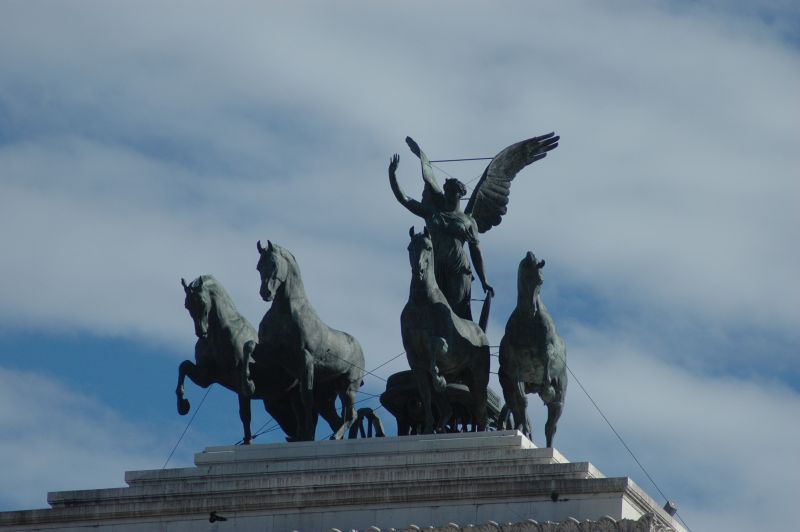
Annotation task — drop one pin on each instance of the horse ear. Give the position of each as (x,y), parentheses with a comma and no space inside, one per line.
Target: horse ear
(270,246)
(183,282)
(411,232)
(541,264)
(258,247)
(425,232)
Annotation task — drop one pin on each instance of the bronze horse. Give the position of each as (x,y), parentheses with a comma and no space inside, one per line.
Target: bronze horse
(292,336)
(533,358)
(441,347)
(224,355)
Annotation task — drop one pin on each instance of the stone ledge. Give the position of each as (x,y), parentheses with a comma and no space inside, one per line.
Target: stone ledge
(373,478)
(507,439)
(474,457)
(431,492)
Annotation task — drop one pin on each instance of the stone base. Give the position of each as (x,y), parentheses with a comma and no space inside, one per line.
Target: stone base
(427,481)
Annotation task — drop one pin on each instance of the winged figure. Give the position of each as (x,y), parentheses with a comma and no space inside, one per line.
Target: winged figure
(451,228)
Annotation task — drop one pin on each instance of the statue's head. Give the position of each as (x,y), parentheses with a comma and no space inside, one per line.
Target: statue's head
(454,190)
(198,303)
(420,253)
(272,270)
(530,269)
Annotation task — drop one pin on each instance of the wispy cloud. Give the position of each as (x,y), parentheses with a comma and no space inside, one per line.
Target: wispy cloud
(723,447)
(55,438)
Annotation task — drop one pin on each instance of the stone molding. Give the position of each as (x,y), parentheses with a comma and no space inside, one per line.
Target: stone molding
(646,523)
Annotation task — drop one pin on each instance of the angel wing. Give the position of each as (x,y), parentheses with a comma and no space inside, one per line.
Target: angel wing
(487,205)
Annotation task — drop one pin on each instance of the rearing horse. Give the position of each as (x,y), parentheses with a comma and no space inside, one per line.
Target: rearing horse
(440,345)
(533,358)
(293,336)
(223,352)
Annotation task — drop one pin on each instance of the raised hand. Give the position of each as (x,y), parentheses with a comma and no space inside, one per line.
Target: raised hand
(488,289)
(413,146)
(393,162)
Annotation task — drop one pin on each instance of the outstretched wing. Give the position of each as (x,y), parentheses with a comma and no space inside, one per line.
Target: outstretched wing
(489,199)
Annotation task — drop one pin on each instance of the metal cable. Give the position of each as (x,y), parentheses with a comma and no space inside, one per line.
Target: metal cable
(622,441)
(196,410)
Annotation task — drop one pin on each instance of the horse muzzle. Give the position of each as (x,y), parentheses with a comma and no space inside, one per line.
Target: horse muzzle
(266,294)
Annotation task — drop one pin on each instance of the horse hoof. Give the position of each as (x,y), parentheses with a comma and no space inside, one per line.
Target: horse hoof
(183,406)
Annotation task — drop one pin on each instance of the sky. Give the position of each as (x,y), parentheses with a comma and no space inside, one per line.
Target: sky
(143,142)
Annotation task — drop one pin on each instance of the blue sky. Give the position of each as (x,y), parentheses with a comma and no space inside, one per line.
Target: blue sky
(141,143)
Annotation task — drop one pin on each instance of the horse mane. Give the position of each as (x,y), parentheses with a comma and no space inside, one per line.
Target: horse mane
(286,254)
(215,289)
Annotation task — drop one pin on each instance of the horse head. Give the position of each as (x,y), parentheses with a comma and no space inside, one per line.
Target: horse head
(272,268)
(530,271)
(198,303)
(420,254)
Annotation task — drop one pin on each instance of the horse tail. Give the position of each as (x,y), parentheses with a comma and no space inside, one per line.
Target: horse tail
(487,306)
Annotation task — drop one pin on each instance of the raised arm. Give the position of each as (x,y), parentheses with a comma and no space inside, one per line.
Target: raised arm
(427,171)
(409,203)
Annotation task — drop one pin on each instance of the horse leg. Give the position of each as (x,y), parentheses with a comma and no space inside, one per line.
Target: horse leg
(445,410)
(375,422)
(553,413)
(306,423)
(183,403)
(248,386)
(326,407)
(424,386)
(197,374)
(403,425)
(437,347)
(356,428)
(244,415)
(555,407)
(524,423)
(516,401)
(479,389)
(349,414)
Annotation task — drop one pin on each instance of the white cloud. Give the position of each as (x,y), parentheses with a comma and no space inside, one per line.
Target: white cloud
(724,448)
(676,161)
(55,438)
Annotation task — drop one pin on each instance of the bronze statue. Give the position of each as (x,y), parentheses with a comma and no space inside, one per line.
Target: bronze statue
(533,358)
(451,228)
(224,355)
(223,352)
(292,335)
(441,346)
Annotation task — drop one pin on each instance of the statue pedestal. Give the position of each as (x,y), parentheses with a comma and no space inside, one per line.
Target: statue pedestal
(471,478)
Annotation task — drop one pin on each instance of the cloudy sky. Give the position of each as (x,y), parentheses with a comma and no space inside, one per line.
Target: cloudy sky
(142,142)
